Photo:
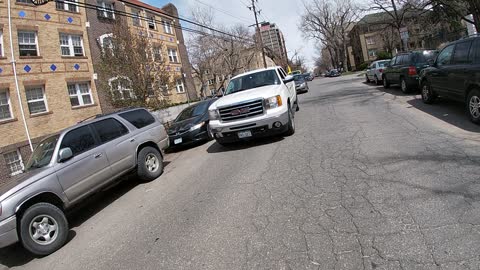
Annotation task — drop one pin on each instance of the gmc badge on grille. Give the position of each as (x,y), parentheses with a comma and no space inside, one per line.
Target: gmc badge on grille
(240,111)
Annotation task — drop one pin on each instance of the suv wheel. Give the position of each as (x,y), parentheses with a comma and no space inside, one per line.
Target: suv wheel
(149,164)
(404,86)
(367,79)
(428,96)
(291,122)
(473,104)
(377,82)
(386,83)
(43,229)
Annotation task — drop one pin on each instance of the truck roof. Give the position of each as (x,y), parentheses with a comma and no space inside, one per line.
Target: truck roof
(255,71)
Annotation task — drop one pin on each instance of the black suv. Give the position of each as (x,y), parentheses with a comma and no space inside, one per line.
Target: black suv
(455,75)
(404,68)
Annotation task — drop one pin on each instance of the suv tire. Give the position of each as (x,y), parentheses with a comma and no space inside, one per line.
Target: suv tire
(43,229)
(404,86)
(428,96)
(291,122)
(367,79)
(149,164)
(473,106)
(386,83)
(377,82)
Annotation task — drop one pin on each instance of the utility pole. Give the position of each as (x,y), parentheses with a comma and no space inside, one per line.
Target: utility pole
(253,8)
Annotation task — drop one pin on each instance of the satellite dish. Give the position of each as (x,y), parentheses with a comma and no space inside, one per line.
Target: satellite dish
(41,2)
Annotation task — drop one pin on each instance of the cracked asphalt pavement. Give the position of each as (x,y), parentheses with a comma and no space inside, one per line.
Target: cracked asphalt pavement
(372,179)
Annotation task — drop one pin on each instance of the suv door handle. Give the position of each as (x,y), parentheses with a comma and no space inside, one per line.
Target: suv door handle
(132,140)
(98,155)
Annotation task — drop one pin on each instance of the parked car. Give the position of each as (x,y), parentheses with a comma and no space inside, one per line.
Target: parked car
(404,69)
(455,74)
(332,73)
(68,166)
(191,125)
(308,77)
(301,85)
(375,71)
(256,104)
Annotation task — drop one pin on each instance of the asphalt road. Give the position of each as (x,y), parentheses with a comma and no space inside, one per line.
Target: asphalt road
(370,180)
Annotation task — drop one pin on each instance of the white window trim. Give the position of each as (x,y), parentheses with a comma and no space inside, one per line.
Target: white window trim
(167,27)
(103,8)
(44,99)
(36,40)
(159,53)
(138,17)
(70,45)
(9,102)
(79,95)
(177,86)
(132,94)
(66,5)
(151,19)
(172,54)
(370,40)
(19,158)
(2,53)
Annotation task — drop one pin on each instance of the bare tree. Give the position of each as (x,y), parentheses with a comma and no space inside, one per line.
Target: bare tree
(456,9)
(133,70)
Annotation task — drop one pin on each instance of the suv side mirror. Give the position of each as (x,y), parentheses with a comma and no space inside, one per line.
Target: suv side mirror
(288,79)
(431,62)
(65,154)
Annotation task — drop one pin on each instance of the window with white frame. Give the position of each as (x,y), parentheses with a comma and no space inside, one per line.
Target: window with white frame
(14,162)
(80,94)
(167,27)
(172,55)
(105,9)
(180,87)
(5,107)
(151,22)
(24,1)
(28,43)
(1,44)
(71,5)
(157,53)
(136,17)
(370,40)
(105,41)
(37,102)
(121,88)
(71,45)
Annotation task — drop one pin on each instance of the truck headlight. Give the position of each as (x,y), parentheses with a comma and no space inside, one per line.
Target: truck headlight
(213,115)
(197,126)
(273,102)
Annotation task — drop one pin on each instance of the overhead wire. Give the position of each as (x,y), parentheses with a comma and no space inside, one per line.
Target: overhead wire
(244,19)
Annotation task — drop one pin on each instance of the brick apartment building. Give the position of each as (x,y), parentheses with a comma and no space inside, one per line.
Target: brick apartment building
(160,26)
(55,72)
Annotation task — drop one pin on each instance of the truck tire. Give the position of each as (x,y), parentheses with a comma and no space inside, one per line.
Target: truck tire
(291,122)
(149,164)
(43,229)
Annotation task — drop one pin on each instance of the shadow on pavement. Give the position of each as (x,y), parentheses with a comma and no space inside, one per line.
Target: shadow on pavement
(217,148)
(448,111)
(394,90)
(16,255)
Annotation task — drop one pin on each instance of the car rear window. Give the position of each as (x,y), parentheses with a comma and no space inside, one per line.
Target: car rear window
(138,118)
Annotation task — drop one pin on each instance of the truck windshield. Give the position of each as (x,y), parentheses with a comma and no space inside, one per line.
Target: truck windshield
(254,80)
(43,153)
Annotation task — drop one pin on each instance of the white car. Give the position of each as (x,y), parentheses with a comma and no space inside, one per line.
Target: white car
(256,104)
(375,71)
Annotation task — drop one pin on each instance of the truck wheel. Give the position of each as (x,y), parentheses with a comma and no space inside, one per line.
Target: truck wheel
(291,122)
(149,164)
(210,133)
(473,105)
(43,229)
(428,96)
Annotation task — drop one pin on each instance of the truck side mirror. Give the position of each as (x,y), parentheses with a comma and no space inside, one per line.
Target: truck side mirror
(288,79)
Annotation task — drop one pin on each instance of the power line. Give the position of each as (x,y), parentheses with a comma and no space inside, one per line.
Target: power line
(225,12)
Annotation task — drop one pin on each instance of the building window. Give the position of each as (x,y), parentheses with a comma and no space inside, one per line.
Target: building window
(80,94)
(157,53)
(372,53)
(105,9)
(207,71)
(211,82)
(1,44)
(105,41)
(136,17)
(370,40)
(71,45)
(71,6)
(172,55)
(151,22)
(14,162)
(36,100)
(25,2)
(5,109)
(180,87)
(121,88)
(28,43)
(167,27)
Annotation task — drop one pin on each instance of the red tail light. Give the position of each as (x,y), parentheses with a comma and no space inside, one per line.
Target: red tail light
(380,70)
(412,71)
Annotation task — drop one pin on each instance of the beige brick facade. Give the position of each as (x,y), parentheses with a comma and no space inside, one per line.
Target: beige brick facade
(49,69)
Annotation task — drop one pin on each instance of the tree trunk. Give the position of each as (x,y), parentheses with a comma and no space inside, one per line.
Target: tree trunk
(345,55)
(332,59)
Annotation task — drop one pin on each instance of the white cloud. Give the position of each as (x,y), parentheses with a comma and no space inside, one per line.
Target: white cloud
(286,14)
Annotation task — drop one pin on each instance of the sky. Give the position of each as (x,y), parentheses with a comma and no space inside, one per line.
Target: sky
(286,14)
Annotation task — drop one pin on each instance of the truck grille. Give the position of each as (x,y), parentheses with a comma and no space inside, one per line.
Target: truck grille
(242,110)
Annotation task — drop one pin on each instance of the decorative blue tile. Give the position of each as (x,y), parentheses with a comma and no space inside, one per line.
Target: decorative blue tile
(22,13)
(168,68)
(1,70)
(69,19)
(76,66)
(47,17)
(27,68)
(171,39)
(53,67)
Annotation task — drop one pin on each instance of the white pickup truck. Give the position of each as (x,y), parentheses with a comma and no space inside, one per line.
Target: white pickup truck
(256,104)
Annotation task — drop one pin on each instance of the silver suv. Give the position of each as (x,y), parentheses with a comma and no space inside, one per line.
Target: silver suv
(67,167)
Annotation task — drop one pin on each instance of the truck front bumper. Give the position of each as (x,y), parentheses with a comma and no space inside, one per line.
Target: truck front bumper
(8,231)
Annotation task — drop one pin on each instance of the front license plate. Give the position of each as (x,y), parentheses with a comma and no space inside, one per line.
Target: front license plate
(177,141)
(244,134)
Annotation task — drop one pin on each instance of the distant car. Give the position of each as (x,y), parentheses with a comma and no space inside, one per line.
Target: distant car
(191,125)
(307,77)
(301,85)
(375,71)
(332,73)
(404,69)
(455,74)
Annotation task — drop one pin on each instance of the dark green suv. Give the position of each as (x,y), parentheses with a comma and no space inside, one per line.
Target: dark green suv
(455,75)
(405,67)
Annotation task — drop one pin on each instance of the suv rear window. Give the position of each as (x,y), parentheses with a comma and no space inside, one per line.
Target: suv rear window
(423,57)
(139,118)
